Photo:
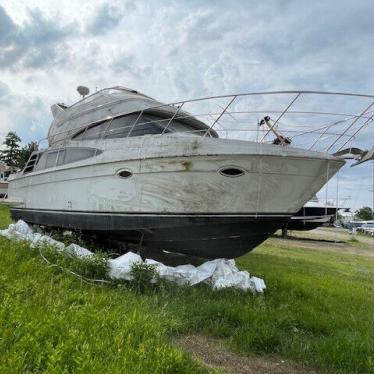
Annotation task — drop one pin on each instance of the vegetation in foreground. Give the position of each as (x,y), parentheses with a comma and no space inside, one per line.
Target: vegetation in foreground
(318,311)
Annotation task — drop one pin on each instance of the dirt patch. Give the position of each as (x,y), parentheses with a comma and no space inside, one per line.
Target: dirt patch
(213,353)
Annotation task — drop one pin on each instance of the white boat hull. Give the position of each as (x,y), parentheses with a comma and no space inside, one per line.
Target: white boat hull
(172,193)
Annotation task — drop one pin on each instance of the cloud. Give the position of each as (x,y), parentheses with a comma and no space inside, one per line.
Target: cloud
(37,43)
(108,16)
(27,116)
(4,91)
(7,27)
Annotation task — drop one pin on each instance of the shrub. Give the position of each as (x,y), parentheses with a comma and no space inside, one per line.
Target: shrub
(144,277)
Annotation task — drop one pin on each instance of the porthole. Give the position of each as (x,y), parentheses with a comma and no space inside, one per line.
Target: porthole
(124,174)
(231,172)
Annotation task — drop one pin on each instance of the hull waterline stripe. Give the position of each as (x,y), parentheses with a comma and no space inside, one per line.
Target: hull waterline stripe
(157,214)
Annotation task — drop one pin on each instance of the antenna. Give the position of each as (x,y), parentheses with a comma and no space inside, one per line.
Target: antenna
(83,91)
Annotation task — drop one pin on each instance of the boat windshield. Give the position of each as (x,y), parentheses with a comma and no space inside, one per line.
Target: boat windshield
(121,127)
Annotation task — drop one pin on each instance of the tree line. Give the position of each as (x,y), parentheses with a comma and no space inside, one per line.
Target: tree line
(13,154)
(365,213)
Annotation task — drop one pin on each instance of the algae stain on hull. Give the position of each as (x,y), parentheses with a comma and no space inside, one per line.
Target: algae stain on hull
(186,165)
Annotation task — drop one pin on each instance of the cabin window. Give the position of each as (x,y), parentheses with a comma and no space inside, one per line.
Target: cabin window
(231,172)
(51,159)
(62,157)
(125,173)
(77,154)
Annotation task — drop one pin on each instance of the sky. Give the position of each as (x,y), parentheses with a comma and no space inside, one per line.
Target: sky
(178,50)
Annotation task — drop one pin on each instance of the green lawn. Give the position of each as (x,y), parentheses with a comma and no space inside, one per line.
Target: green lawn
(318,310)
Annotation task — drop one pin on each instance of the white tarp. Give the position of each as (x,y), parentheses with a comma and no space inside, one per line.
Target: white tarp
(120,267)
(79,251)
(219,273)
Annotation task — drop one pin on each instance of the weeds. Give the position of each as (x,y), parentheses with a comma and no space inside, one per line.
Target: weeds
(94,267)
(144,277)
(353,240)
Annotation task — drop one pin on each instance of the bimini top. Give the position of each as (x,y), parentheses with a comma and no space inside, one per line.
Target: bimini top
(119,108)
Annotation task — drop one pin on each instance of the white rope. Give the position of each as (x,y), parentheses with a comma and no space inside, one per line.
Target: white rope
(84,279)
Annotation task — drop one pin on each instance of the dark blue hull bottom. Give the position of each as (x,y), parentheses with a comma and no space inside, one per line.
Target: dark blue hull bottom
(208,236)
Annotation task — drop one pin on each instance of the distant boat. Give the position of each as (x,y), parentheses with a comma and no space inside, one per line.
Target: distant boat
(312,215)
(3,188)
(5,172)
(124,167)
(359,223)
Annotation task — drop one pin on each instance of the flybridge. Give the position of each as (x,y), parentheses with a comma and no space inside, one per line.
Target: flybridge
(314,120)
(122,93)
(107,106)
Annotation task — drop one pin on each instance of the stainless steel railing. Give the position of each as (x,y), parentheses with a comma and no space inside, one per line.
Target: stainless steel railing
(325,121)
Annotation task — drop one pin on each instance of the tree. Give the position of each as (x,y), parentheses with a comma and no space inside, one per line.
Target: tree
(10,154)
(25,154)
(364,213)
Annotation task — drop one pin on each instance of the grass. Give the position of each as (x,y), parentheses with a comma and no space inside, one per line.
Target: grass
(318,310)
(52,322)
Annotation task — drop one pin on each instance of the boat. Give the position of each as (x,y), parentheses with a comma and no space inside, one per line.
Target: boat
(124,167)
(3,188)
(5,172)
(312,215)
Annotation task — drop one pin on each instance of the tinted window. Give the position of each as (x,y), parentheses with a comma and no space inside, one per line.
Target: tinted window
(64,156)
(41,162)
(51,159)
(120,127)
(61,157)
(76,154)
(94,132)
(146,125)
